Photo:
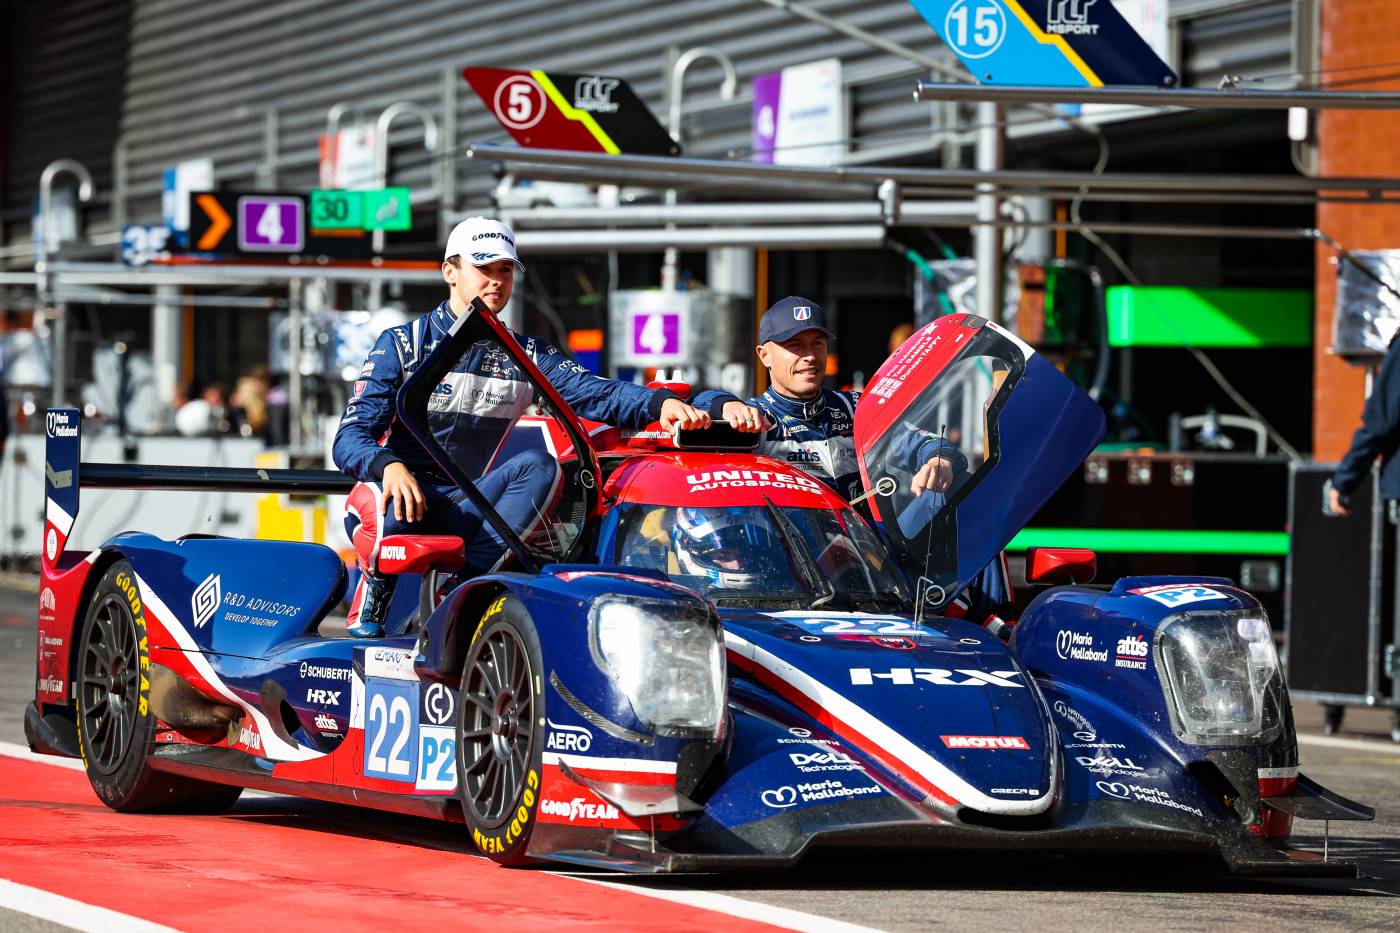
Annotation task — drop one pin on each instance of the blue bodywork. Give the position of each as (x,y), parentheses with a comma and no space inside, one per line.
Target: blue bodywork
(898,729)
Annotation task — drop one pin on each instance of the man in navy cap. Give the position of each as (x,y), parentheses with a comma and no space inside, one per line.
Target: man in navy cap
(813,427)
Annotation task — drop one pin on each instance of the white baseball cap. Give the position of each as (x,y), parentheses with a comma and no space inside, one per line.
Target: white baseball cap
(481,241)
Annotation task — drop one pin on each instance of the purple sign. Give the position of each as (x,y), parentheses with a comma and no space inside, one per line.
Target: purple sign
(767,90)
(271,224)
(656,333)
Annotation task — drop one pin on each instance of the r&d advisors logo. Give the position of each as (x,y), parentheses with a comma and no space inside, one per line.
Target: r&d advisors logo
(1070,17)
(594,94)
(205,600)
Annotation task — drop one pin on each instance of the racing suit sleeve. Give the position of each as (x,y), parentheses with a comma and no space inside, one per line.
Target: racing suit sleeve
(1380,426)
(916,447)
(356,449)
(714,400)
(610,401)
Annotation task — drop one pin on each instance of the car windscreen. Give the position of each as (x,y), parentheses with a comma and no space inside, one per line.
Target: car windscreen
(751,554)
(936,454)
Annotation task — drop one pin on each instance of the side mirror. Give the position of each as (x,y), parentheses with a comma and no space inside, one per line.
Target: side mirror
(1056,565)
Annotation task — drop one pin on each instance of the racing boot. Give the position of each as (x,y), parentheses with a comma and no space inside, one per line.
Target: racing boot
(379,592)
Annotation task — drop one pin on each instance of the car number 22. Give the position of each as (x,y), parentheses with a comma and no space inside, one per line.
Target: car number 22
(391,742)
(881,627)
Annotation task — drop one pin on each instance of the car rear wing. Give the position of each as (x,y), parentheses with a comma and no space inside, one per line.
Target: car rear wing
(65,474)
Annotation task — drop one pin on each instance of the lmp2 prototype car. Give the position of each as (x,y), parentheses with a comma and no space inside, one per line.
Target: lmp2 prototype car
(703,660)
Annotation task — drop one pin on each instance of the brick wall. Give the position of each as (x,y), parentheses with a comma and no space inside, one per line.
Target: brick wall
(1358,143)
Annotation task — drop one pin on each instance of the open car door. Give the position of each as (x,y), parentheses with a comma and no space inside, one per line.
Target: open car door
(989,429)
(559,536)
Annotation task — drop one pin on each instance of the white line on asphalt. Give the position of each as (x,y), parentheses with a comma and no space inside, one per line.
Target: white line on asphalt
(737,907)
(70,913)
(11,750)
(1359,745)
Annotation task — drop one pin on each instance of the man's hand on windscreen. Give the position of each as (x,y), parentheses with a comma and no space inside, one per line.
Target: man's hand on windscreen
(677,414)
(934,476)
(745,418)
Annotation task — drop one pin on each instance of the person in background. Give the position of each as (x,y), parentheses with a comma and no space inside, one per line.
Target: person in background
(1378,436)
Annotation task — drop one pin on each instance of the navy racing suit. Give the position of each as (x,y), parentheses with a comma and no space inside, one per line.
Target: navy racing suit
(470,413)
(818,436)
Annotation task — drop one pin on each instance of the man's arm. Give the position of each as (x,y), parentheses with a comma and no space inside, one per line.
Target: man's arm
(726,407)
(1380,426)
(369,414)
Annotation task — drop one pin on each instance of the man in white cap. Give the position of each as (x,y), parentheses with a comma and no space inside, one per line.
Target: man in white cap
(400,489)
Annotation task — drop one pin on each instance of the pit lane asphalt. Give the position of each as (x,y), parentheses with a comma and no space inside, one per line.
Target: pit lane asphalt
(1004,892)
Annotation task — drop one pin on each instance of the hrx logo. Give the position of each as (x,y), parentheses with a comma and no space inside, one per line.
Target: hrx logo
(324,697)
(962,677)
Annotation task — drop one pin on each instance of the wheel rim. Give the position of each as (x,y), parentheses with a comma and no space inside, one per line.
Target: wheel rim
(109,684)
(498,725)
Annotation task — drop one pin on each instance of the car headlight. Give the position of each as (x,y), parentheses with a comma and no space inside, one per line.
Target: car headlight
(667,657)
(1221,675)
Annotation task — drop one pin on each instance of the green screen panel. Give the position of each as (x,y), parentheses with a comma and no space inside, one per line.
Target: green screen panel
(1169,316)
(1155,541)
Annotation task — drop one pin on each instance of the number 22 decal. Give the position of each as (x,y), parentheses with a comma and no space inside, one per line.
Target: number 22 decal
(391,748)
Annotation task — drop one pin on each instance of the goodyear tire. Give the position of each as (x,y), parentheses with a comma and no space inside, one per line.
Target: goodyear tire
(116,727)
(499,736)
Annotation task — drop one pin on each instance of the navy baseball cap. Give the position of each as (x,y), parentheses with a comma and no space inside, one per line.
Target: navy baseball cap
(791,316)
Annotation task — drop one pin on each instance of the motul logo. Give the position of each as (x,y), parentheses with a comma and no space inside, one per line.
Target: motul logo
(985,741)
(905,676)
(393,552)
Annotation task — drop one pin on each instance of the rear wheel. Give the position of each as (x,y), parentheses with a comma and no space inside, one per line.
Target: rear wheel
(499,742)
(116,727)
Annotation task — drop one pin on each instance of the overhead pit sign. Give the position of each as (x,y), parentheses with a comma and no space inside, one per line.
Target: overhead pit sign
(582,113)
(1046,43)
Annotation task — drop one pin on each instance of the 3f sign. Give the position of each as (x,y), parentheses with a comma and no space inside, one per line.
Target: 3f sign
(975,28)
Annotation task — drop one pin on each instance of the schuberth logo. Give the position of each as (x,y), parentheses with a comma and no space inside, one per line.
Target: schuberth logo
(205,600)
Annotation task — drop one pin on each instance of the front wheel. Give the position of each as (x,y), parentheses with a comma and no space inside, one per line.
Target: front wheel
(499,742)
(116,727)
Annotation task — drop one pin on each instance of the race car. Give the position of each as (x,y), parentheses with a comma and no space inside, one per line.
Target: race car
(704,659)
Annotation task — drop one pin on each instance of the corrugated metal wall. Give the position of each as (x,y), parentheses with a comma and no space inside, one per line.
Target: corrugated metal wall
(198,75)
(63,67)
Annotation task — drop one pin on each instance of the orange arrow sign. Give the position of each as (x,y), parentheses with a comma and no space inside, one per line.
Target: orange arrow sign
(219,222)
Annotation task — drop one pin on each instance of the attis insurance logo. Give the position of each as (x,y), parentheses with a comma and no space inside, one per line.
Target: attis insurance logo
(1132,653)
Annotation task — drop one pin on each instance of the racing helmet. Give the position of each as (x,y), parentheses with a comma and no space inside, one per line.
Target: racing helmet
(733,547)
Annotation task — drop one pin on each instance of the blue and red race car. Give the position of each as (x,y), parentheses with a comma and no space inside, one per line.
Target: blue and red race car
(704,659)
